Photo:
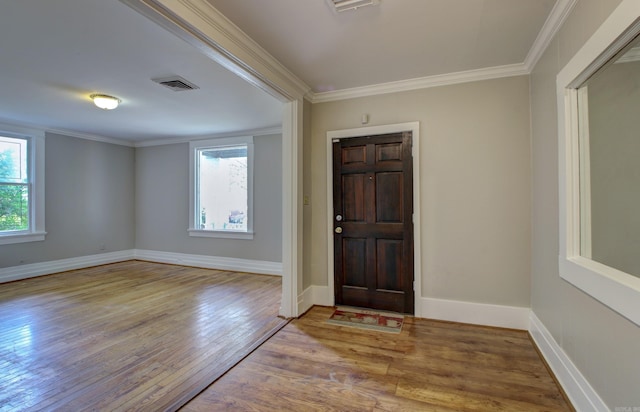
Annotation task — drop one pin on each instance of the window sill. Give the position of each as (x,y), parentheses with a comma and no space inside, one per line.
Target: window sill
(21,237)
(220,234)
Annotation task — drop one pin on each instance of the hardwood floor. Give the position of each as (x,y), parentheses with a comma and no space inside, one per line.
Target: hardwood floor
(127,336)
(311,365)
(144,336)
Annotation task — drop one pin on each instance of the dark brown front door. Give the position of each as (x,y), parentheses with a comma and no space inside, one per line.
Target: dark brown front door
(373,228)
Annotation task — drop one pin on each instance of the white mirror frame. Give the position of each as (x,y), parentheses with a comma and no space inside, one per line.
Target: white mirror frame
(618,290)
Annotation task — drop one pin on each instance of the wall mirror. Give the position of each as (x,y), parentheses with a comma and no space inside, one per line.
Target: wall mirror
(609,147)
(599,158)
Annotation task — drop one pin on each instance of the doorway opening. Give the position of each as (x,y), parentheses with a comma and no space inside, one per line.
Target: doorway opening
(200,24)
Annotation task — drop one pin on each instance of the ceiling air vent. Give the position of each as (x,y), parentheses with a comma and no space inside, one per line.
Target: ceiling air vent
(176,83)
(344,5)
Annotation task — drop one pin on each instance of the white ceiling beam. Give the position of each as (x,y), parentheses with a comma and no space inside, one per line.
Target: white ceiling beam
(203,26)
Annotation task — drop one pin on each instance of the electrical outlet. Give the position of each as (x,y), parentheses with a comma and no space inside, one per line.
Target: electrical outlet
(305,200)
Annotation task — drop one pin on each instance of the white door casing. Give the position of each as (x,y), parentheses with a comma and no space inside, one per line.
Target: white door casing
(414,128)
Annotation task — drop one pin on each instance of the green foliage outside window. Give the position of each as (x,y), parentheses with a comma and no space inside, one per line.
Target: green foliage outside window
(14,197)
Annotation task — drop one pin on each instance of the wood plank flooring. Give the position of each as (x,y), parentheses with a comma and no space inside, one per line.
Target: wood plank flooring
(311,365)
(127,336)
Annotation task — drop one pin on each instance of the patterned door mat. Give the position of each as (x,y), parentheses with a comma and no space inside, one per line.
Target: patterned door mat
(367,319)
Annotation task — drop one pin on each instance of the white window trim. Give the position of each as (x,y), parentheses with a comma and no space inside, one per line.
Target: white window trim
(36,230)
(618,290)
(193,213)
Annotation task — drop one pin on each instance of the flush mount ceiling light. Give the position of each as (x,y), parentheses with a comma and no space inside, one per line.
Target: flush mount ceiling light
(105,102)
(344,5)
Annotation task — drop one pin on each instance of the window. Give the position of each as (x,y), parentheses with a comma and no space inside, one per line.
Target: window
(615,287)
(14,185)
(221,201)
(21,187)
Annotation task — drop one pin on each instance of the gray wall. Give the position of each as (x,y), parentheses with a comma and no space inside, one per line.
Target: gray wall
(601,343)
(102,197)
(614,125)
(162,203)
(475,185)
(89,202)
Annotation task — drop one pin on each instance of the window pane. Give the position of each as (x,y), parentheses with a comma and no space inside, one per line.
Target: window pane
(13,160)
(14,207)
(222,188)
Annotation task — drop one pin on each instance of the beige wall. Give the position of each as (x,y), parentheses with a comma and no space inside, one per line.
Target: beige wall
(475,185)
(601,343)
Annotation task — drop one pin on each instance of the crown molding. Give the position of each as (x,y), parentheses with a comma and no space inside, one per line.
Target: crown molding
(198,22)
(20,128)
(32,128)
(556,18)
(558,15)
(186,139)
(93,137)
(25,128)
(421,83)
(201,24)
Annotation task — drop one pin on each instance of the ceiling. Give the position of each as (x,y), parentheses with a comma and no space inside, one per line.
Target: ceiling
(61,52)
(394,40)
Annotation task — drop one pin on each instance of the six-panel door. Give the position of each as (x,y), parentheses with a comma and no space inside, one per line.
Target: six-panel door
(373,229)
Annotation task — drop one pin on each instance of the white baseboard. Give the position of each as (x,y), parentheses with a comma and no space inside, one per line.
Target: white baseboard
(305,300)
(577,388)
(46,268)
(440,309)
(314,295)
(475,313)
(321,296)
(582,395)
(211,262)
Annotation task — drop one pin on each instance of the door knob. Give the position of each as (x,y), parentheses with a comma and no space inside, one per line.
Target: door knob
(338,230)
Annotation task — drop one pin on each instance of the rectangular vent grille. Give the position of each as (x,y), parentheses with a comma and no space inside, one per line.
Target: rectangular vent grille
(344,5)
(176,83)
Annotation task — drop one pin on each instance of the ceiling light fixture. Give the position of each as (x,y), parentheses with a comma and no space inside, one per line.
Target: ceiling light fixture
(344,5)
(105,102)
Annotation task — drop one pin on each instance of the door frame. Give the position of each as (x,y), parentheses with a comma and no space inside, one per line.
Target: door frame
(414,128)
